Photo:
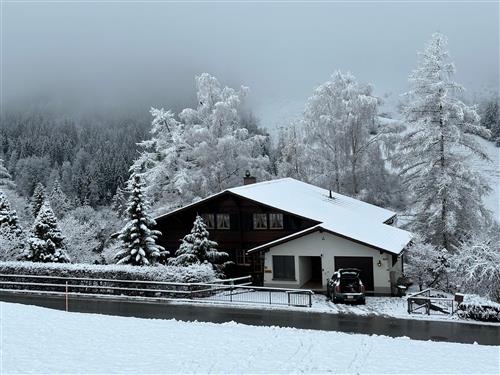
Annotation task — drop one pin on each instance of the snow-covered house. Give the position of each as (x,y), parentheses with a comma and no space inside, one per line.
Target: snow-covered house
(288,233)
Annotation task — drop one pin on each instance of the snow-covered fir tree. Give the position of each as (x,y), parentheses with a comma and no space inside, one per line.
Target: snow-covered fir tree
(46,243)
(435,153)
(196,247)
(6,181)
(38,199)
(9,223)
(203,152)
(138,237)
(490,119)
(59,201)
(119,202)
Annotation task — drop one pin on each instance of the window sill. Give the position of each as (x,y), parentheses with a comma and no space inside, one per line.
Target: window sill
(290,280)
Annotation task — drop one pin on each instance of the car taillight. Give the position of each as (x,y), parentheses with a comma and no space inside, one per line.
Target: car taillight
(362,288)
(337,288)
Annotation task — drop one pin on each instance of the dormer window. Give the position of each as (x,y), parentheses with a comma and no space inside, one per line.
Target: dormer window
(259,221)
(276,221)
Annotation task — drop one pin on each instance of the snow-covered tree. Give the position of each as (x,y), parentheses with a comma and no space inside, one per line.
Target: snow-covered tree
(138,237)
(81,239)
(119,202)
(339,119)
(6,181)
(292,159)
(58,200)
(46,243)
(9,223)
(426,266)
(434,154)
(203,152)
(38,199)
(476,265)
(490,118)
(196,247)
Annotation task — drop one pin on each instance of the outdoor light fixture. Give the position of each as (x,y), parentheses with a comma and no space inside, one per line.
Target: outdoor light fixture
(379,263)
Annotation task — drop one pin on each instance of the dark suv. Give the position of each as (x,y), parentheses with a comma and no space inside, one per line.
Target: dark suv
(346,286)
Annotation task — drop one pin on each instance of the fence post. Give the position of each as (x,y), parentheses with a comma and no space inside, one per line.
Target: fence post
(310,299)
(270,297)
(66,296)
(428,307)
(231,293)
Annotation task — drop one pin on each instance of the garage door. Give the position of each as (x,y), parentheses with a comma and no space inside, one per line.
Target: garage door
(365,264)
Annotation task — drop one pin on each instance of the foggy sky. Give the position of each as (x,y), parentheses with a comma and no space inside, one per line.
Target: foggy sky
(119,56)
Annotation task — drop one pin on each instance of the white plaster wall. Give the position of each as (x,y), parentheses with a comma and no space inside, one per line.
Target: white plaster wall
(327,246)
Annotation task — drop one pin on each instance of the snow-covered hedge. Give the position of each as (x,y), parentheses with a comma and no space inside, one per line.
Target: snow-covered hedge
(199,273)
(479,308)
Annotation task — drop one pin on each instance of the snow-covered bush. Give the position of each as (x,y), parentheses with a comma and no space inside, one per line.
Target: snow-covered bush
(81,240)
(476,266)
(425,265)
(198,273)
(479,308)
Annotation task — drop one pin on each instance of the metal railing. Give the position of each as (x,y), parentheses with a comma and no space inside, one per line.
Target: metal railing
(236,290)
(425,302)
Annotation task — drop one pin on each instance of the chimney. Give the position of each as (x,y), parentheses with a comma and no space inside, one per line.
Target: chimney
(249,179)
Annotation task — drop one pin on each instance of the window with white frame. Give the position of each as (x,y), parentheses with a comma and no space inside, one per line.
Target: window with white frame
(259,221)
(223,221)
(283,267)
(276,221)
(209,220)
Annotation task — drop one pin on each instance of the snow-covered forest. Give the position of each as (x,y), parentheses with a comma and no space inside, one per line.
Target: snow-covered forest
(86,189)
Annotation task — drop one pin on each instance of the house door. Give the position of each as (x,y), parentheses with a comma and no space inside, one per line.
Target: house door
(364,264)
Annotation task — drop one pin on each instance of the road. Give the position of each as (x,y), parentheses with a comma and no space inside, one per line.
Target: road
(350,323)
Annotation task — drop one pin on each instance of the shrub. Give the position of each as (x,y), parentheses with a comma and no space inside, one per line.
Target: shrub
(477,308)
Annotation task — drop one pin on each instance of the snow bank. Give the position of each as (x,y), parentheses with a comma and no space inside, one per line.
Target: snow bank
(191,274)
(84,343)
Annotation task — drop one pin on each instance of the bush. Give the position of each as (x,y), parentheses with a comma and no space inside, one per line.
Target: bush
(199,273)
(477,308)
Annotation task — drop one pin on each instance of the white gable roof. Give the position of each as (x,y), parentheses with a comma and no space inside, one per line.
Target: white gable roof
(343,215)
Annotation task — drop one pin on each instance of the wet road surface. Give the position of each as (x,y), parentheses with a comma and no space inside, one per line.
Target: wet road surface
(350,323)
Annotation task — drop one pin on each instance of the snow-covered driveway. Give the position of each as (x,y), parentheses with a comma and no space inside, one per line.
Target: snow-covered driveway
(39,340)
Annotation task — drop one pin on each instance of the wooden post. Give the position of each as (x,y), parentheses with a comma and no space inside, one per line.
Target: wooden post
(66,296)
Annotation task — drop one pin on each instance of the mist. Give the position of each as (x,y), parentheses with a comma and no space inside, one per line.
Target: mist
(119,57)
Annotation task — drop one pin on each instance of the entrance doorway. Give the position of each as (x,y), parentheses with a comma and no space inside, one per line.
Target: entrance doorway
(310,273)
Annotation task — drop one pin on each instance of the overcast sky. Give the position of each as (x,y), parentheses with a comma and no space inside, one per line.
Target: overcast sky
(131,55)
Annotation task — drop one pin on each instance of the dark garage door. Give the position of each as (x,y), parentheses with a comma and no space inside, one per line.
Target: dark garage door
(365,264)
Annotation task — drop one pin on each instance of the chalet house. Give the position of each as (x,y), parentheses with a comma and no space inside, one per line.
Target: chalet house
(287,233)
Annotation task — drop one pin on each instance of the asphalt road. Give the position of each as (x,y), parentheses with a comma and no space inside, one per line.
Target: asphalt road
(350,323)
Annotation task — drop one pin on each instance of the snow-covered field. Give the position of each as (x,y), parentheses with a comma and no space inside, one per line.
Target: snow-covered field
(39,340)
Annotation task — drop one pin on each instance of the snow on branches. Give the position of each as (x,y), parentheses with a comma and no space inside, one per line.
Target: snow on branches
(46,243)
(435,152)
(138,237)
(197,248)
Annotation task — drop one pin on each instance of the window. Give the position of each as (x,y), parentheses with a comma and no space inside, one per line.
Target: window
(209,220)
(276,221)
(259,221)
(223,221)
(283,267)
(242,258)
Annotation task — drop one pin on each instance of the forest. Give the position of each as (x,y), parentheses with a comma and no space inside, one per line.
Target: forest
(85,189)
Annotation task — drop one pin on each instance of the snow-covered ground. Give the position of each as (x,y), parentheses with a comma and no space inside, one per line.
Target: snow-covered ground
(39,340)
(492,172)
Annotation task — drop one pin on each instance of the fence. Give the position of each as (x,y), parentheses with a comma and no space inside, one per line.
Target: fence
(425,303)
(238,290)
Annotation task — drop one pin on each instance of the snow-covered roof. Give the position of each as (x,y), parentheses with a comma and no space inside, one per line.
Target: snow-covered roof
(309,201)
(342,215)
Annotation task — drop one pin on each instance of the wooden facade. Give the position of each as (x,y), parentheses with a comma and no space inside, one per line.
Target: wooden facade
(240,236)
